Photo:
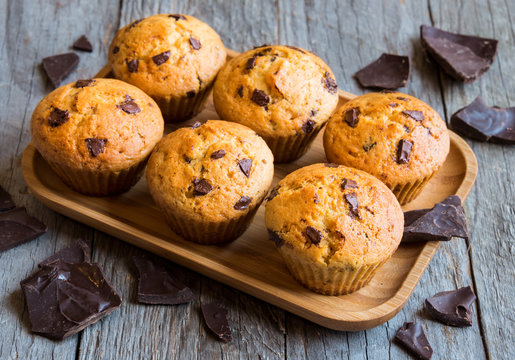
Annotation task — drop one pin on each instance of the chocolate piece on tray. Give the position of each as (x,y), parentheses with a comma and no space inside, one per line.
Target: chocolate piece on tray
(484,123)
(452,307)
(17,227)
(83,44)
(412,337)
(388,72)
(58,67)
(156,284)
(6,203)
(463,57)
(216,319)
(412,215)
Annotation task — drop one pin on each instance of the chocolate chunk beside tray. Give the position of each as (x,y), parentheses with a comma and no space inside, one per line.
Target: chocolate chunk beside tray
(452,307)
(388,72)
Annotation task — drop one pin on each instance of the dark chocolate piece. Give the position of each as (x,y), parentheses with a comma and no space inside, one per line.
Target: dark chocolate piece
(463,57)
(245,166)
(352,200)
(411,216)
(388,72)
(404,151)
(329,83)
(369,146)
(484,123)
(308,126)
(6,203)
(186,158)
(216,319)
(331,165)
(95,146)
(58,117)
(414,114)
(201,187)
(134,23)
(160,59)
(132,65)
(218,154)
(273,193)
(243,203)
(156,284)
(351,117)
(191,94)
(195,44)
(116,49)
(278,240)
(251,62)
(17,227)
(83,83)
(313,235)
(452,307)
(83,44)
(412,337)
(402,98)
(177,16)
(349,184)
(240,91)
(129,106)
(260,97)
(78,252)
(295,48)
(58,67)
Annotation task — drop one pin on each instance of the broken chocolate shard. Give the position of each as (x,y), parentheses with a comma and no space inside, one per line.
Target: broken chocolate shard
(276,238)
(388,72)
(245,166)
(201,187)
(273,193)
(352,201)
(329,83)
(412,337)
(156,284)
(215,315)
(308,126)
(177,16)
(129,106)
(95,146)
(83,83)
(195,44)
(17,227)
(463,57)
(116,49)
(83,44)
(218,154)
(313,235)
(251,62)
(260,97)
(78,252)
(6,203)
(58,117)
(349,184)
(452,308)
(404,151)
(240,91)
(412,215)
(132,65)
(484,123)
(160,59)
(351,117)
(243,203)
(58,67)
(414,114)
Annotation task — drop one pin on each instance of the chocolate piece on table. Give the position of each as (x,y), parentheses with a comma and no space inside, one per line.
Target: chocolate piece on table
(388,72)
(156,284)
(216,319)
(412,336)
(83,83)
(414,114)
(76,253)
(17,227)
(452,307)
(83,44)
(58,67)
(412,215)
(6,203)
(463,57)
(484,123)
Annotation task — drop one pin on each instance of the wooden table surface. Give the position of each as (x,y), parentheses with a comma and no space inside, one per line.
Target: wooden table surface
(347,35)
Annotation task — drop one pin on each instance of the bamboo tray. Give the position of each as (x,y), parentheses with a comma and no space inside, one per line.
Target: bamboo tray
(251,263)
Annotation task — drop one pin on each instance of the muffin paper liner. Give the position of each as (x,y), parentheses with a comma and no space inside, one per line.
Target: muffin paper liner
(406,192)
(176,110)
(287,149)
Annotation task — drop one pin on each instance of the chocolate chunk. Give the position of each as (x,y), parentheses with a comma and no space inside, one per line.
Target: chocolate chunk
(352,200)
(78,252)
(412,337)
(407,129)
(17,227)
(216,319)
(411,216)
(388,72)
(329,83)
(313,112)
(116,49)
(260,46)
(95,146)
(129,106)
(201,187)
(331,165)
(83,83)
(463,57)
(83,44)
(273,193)
(134,23)
(156,284)
(186,158)
(272,235)
(367,147)
(218,154)
(251,62)
(452,307)
(240,91)
(402,98)
(414,114)
(132,65)
(243,203)
(484,123)
(260,97)
(58,67)
(404,151)
(6,203)
(245,166)
(191,94)
(349,184)
(351,117)
(195,44)
(177,16)
(58,117)
(308,126)
(296,48)
(313,235)
(160,59)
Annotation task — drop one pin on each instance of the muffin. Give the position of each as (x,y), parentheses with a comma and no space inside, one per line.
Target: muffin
(395,137)
(174,58)
(97,134)
(210,179)
(286,94)
(334,226)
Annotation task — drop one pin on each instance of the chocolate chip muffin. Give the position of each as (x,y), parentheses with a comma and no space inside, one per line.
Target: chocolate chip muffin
(286,94)
(210,179)
(396,137)
(334,226)
(97,134)
(174,58)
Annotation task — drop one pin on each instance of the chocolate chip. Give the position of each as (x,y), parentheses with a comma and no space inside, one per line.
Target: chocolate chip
(272,235)
(243,203)
(313,235)
(216,319)
(116,49)
(404,151)
(414,114)
(251,62)
(156,283)
(191,94)
(273,193)
(240,91)
(6,203)
(83,83)
(134,23)
(402,98)
(78,252)
(260,97)
(95,146)
(352,200)
(388,72)
(195,44)
(177,17)
(245,166)
(412,336)
(58,67)
(58,117)
(218,154)
(407,128)
(295,48)
(17,227)
(129,106)
(201,187)
(132,65)
(315,199)
(308,126)
(186,158)
(331,165)
(83,44)
(367,147)
(452,307)
(160,59)
(313,113)
(351,117)
(329,83)
(272,59)
(349,184)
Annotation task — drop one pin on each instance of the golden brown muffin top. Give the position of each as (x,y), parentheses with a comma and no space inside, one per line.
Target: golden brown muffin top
(335,215)
(96,124)
(213,171)
(393,136)
(278,91)
(167,55)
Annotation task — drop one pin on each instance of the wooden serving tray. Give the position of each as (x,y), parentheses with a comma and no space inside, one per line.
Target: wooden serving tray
(251,263)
